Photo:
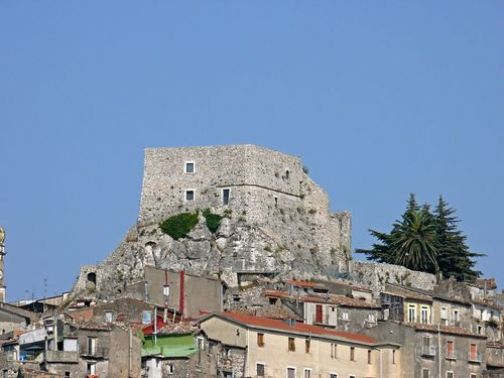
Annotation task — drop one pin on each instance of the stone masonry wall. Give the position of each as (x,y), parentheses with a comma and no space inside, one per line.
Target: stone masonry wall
(377,275)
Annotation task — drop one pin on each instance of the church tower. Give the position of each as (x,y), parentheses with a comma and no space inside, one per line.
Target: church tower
(2,257)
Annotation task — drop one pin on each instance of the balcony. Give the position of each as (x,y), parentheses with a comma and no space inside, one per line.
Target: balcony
(98,353)
(429,351)
(451,356)
(58,356)
(475,358)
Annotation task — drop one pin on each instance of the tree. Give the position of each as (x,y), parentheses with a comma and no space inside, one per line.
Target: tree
(454,256)
(411,242)
(427,242)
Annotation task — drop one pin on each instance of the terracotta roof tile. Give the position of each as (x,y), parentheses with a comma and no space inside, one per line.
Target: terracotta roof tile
(307,284)
(306,329)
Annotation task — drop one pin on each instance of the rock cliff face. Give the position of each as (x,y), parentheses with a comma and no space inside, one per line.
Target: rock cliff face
(275,220)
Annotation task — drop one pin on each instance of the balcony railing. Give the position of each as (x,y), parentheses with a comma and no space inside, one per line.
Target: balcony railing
(96,353)
(429,351)
(475,357)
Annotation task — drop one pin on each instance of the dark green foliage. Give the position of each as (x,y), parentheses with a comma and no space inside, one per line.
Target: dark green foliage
(212,220)
(178,226)
(426,241)
(454,256)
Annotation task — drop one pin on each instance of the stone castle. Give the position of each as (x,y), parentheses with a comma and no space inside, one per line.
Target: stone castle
(275,220)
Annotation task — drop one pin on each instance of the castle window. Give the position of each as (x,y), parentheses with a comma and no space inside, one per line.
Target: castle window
(190,167)
(276,201)
(287,174)
(189,195)
(226,194)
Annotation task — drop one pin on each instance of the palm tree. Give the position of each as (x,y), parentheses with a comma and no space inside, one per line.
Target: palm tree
(413,241)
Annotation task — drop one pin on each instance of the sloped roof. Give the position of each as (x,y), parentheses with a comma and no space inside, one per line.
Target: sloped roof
(296,328)
(338,299)
(408,292)
(171,346)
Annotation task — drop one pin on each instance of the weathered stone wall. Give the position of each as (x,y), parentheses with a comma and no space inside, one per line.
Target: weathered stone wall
(377,275)
(277,220)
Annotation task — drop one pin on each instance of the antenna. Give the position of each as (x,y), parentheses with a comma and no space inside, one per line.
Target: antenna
(45,287)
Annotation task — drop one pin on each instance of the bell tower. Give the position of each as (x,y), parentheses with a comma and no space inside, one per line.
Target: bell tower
(2,257)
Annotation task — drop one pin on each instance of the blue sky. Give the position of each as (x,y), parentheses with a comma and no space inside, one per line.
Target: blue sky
(380,99)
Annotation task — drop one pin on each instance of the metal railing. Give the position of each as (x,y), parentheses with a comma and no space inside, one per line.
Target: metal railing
(429,351)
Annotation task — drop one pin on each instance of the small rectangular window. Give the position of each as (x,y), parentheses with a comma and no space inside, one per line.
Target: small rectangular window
(260,370)
(260,339)
(166,290)
(344,315)
(291,373)
(369,357)
(425,373)
(473,352)
(424,315)
(189,195)
(334,350)
(189,167)
(91,368)
(333,375)
(292,344)
(201,343)
(226,195)
(450,374)
(393,357)
(91,346)
(67,374)
(307,373)
(411,314)
(171,368)
(307,346)
(108,317)
(352,353)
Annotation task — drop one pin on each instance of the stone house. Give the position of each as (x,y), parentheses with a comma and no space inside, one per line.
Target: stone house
(13,317)
(494,356)
(487,318)
(430,350)
(339,311)
(107,350)
(187,295)
(275,348)
(176,350)
(406,304)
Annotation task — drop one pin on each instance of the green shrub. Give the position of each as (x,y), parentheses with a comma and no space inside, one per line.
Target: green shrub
(212,220)
(178,226)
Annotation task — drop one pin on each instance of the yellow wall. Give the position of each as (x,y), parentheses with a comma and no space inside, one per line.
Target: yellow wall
(276,356)
(418,307)
(225,332)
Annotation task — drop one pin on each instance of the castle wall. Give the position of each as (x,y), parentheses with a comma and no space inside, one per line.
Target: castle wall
(236,167)
(377,275)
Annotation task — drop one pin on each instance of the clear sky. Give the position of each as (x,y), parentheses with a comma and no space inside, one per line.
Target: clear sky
(379,98)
